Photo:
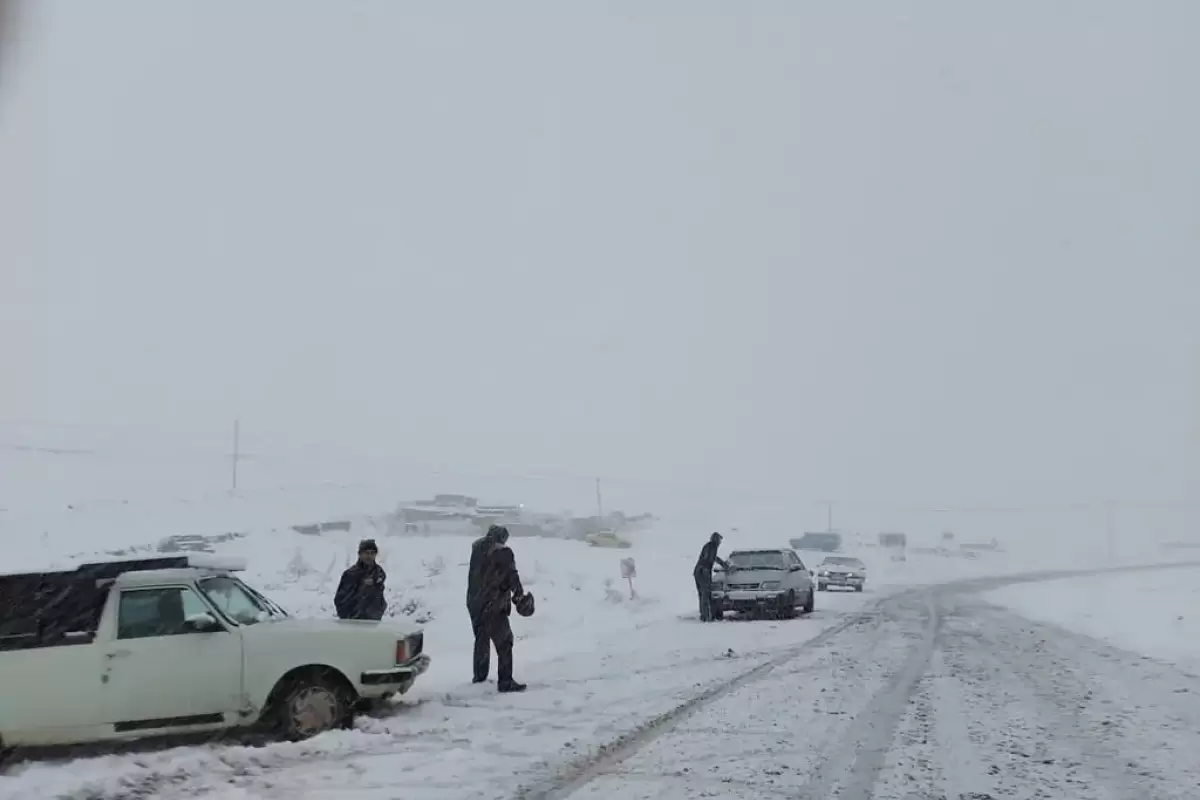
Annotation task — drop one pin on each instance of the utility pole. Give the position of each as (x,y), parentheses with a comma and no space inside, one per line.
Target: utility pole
(236,451)
(829,515)
(599,504)
(1112,528)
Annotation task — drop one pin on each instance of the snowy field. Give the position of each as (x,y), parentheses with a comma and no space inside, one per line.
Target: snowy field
(1156,614)
(599,664)
(627,694)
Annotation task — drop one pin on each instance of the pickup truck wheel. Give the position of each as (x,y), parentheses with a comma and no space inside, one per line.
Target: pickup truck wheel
(310,706)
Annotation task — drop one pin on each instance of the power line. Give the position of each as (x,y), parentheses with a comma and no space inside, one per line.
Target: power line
(311,452)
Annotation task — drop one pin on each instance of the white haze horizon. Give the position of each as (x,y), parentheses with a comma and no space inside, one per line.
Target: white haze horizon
(914,261)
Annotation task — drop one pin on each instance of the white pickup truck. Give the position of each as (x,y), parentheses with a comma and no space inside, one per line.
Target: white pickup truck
(166,646)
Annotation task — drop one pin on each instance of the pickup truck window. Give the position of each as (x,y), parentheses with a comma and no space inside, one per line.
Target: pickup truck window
(232,600)
(146,613)
(48,611)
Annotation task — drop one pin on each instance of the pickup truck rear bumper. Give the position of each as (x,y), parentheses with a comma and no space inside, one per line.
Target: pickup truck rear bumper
(398,675)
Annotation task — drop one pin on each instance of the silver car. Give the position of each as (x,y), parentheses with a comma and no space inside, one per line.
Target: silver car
(841,571)
(769,582)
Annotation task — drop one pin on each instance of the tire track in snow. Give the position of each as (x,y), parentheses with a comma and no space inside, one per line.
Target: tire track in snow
(1127,726)
(851,768)
(578,773)
(974,730)
(855,761)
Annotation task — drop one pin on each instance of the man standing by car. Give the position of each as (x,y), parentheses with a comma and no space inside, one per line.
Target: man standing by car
(499,585)
(360,592)
(481,550)
(703,574)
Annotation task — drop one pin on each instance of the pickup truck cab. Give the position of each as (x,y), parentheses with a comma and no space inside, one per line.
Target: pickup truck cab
(165,646)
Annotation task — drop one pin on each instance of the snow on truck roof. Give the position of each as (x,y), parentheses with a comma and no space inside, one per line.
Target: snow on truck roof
(147,577)
(108,570)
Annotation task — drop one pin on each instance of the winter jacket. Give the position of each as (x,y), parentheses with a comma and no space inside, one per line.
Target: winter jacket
(708,556)
(360,593)
(500,582)
(479,555)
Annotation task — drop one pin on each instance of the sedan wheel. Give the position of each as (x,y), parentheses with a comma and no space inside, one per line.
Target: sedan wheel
(787,608)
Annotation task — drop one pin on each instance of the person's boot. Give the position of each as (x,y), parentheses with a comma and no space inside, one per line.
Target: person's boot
(511,686)
(477,679)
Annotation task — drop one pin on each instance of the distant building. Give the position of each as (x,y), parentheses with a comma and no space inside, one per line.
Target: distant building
(454,501)
(498,511)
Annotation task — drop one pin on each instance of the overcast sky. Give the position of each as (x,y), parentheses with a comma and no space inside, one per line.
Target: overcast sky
(932,252)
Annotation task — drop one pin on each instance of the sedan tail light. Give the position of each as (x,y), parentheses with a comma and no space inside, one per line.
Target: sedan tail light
(402,651)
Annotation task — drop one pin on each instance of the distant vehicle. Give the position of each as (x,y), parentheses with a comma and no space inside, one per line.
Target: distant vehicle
(823,542)
(993,545)
(841,571)
(178,645)
(895,543)
(606,539)
(185,543)
(774,582)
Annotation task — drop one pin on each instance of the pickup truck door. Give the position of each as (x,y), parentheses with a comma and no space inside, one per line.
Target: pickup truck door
(159,674)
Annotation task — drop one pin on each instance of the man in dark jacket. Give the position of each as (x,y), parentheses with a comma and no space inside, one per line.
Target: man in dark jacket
(360,592)
(481,549)
(703,574)
(499,584)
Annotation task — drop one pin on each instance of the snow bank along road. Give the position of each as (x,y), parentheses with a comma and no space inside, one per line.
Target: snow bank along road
(928,694)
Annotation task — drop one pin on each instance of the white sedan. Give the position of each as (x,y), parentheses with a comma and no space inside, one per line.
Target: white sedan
(844,571)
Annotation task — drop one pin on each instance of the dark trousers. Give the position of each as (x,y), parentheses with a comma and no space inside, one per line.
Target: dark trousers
(493,630)
(704,590)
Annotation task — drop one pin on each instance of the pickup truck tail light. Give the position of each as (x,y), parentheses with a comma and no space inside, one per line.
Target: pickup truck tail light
(410,647)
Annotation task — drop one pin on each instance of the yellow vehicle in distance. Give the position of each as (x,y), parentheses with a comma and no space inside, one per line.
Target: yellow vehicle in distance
(606,538)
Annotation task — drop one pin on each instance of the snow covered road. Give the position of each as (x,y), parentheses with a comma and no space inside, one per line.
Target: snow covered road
(932,695)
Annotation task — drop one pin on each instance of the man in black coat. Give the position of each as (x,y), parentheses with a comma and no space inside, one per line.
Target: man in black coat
(703,574)
(499,584)
(481,548)
(360,592)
